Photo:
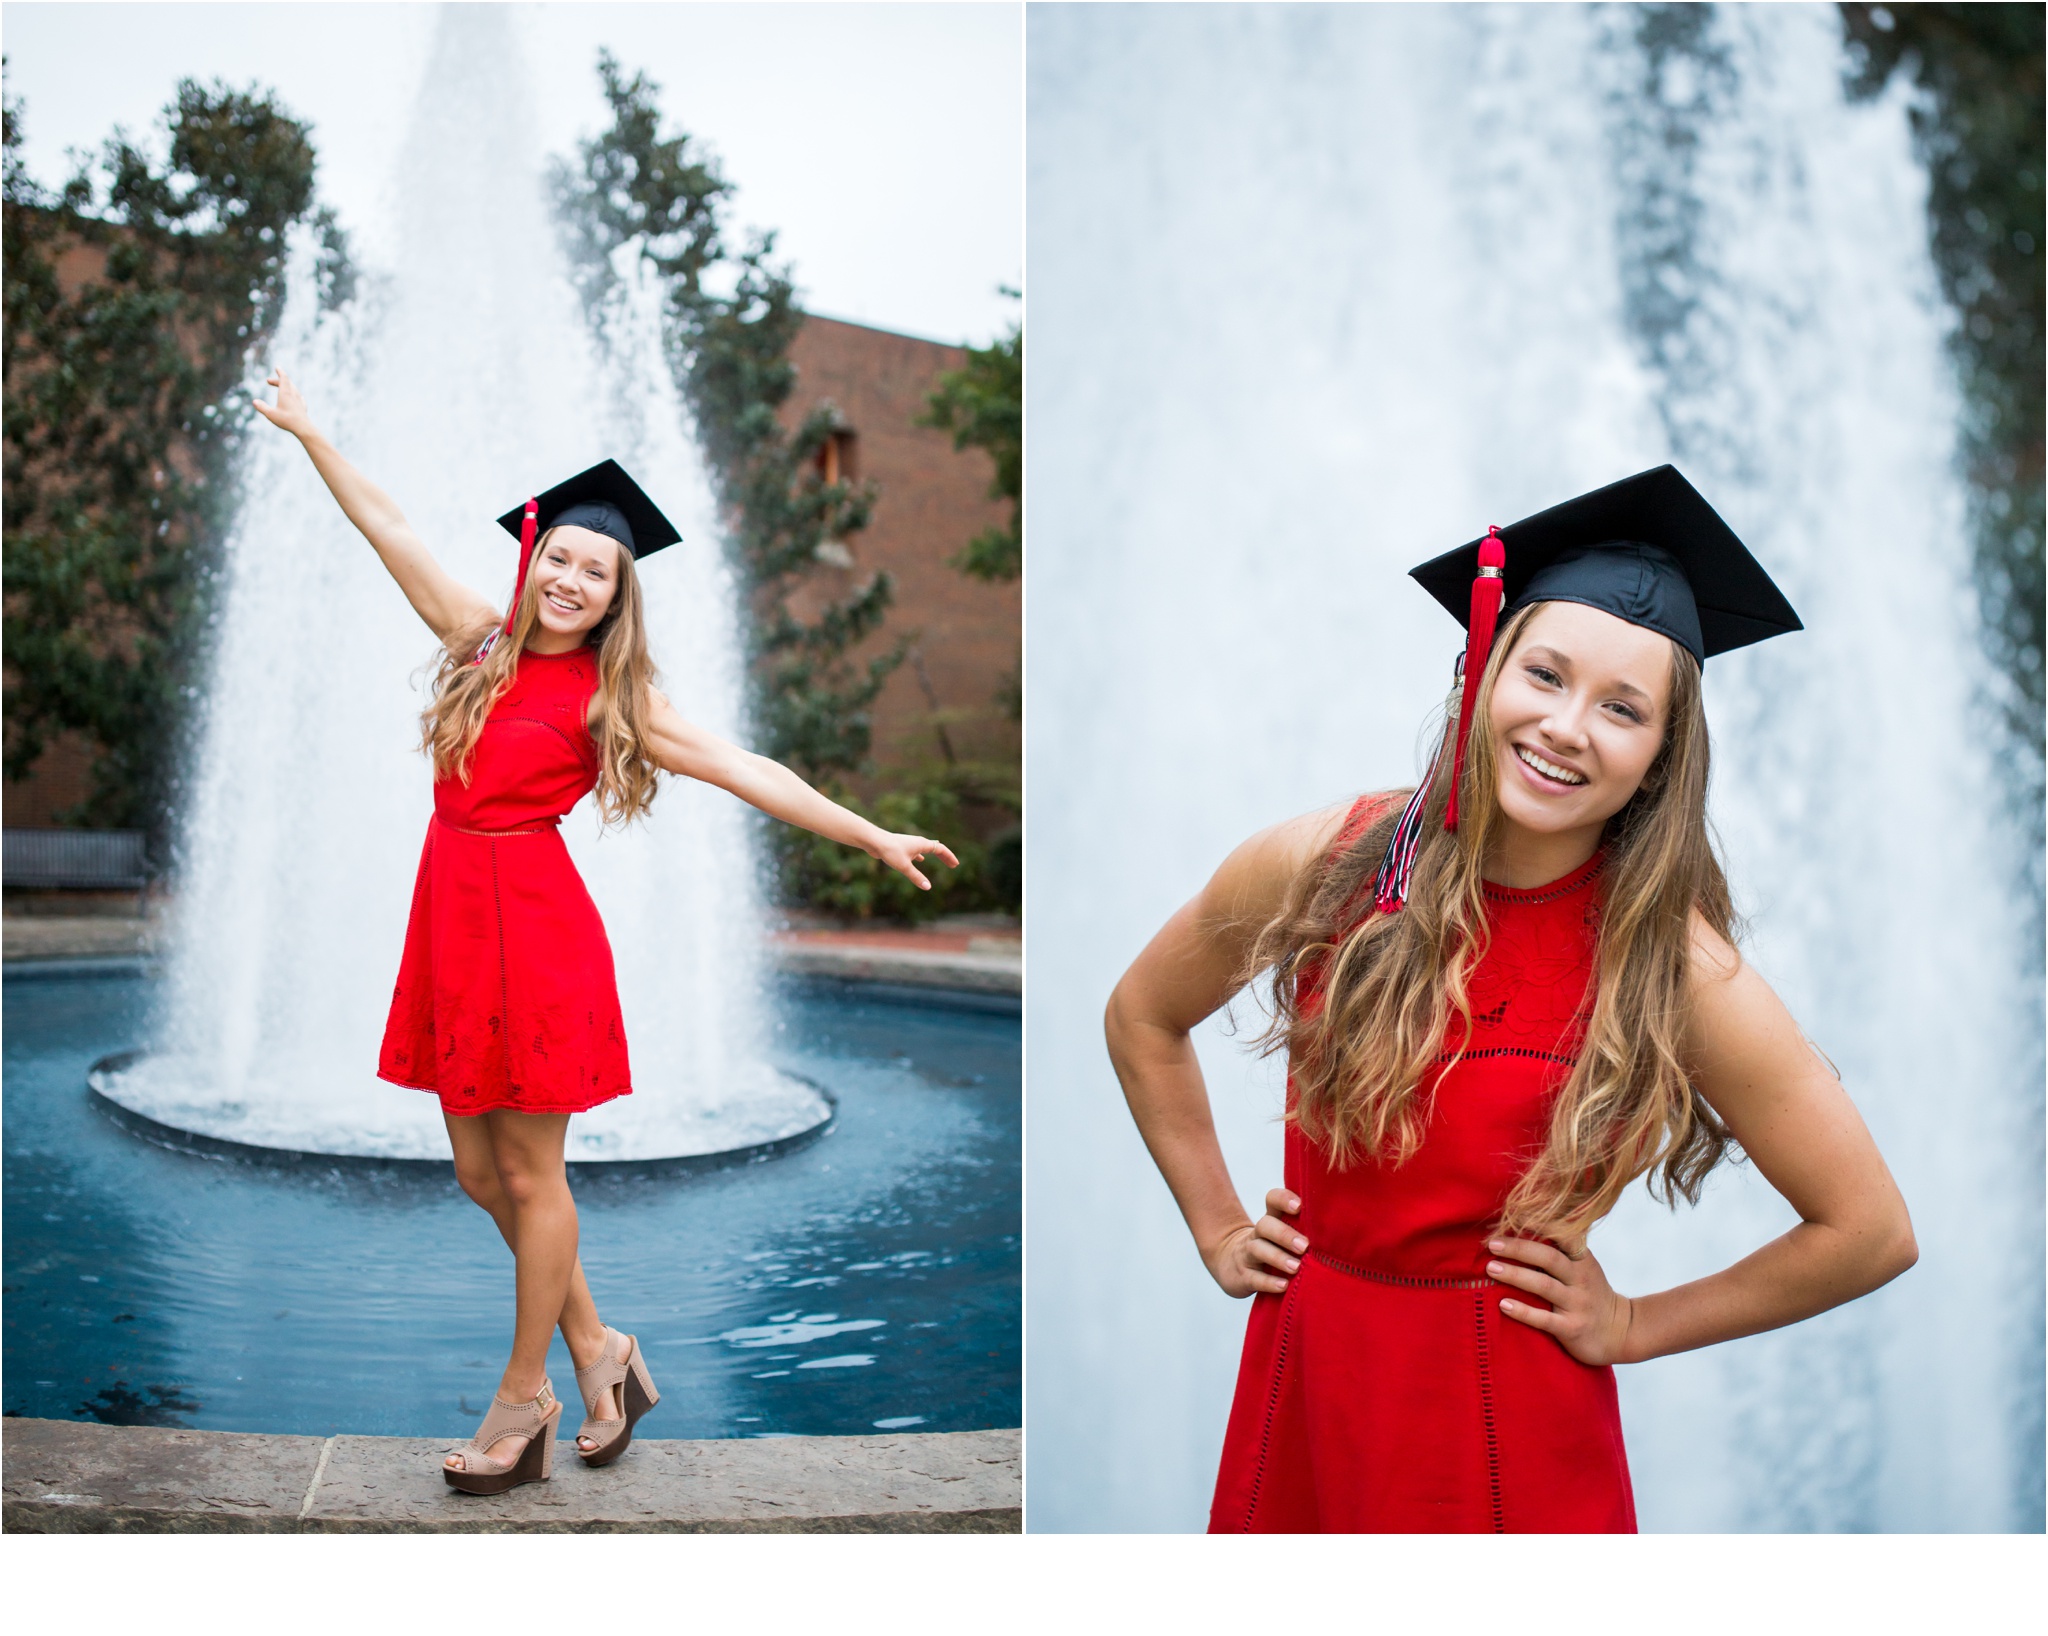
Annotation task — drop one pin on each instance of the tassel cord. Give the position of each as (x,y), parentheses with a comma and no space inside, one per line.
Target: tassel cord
(529,527)
(1487,587)
(1397,864)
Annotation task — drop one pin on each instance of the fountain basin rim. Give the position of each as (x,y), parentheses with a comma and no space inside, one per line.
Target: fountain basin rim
(932,995)
(178,1140)
(83,967)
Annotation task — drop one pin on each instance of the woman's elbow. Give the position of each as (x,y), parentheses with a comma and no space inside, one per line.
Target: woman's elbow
(1122,1022)
(1905,1248)
(1894,1249)
(708,766)
(1114,1017)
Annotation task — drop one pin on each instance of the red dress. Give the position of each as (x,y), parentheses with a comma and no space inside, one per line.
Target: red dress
(505,995)
(1385,1391)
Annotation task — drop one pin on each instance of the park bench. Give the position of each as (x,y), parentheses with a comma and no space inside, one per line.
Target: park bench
(109,860)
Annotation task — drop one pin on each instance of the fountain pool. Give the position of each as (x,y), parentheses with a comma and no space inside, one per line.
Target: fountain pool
(868,1280)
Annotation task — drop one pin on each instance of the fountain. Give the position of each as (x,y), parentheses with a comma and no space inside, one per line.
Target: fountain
(464,377)
(1320,291)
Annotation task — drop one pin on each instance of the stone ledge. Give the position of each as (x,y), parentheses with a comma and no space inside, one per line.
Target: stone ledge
(79,1477)
(75,937)
(30,941)
(877,963)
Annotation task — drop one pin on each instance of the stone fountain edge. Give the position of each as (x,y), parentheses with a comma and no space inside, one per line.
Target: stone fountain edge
(177,1139)
(65,1476)
(996,977)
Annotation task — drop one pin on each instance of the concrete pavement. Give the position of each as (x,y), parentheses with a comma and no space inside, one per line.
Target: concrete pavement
(63,1476)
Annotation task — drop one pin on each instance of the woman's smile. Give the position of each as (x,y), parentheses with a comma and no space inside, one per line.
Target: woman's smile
(1548,775)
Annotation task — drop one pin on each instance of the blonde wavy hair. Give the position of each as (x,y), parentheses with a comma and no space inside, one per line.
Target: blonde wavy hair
(1362,1053)
(462,693)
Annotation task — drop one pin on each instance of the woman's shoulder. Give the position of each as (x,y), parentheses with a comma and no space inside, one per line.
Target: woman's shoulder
(1713,958)
(1741,1039)
(1267,864)
(1367,810)
(1331,831)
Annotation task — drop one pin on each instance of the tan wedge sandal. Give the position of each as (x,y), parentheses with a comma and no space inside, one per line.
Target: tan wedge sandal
(619,1364)
(535,1421)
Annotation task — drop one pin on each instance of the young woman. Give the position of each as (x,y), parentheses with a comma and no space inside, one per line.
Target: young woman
(1505,996)
(505,1004)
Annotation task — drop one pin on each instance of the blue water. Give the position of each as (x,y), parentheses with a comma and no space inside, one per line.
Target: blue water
(869,1280)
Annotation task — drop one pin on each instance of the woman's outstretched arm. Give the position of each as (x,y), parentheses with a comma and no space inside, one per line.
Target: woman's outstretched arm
(1189,970)
(682,747)
(447,605)
(1798,1126)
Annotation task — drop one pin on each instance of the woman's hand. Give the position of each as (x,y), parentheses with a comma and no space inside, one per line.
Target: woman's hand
(289,411)
(1259,1258)
(903,853)
(1586,1317)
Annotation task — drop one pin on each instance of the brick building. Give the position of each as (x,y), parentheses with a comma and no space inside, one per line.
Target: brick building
(945,702)
(62,776)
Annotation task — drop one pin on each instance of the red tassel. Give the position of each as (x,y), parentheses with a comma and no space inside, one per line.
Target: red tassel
(1486,596)
(529,525)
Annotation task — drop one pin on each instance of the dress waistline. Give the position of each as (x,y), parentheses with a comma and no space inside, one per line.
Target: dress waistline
(1399,1279)
(496,834)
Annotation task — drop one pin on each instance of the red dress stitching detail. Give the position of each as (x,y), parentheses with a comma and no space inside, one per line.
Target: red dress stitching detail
(1384,1391)
(506,995)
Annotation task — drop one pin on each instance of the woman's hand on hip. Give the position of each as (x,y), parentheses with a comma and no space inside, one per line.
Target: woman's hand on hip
(1260,1257)
(289,412)
(903,853)
(1586,1317)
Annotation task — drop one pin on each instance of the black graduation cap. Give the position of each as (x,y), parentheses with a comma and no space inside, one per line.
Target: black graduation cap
(1647,549)
(605,500)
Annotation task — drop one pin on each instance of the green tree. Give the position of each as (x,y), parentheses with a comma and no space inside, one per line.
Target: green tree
(122,424)
(731,314)
(1978,128)
(1979,131)
(982,405)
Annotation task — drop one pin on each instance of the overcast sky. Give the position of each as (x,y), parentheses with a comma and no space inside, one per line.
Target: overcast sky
(883,141)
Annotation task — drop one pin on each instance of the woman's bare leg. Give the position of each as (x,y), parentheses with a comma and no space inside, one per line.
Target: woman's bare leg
(477,1171)
(511,1165)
